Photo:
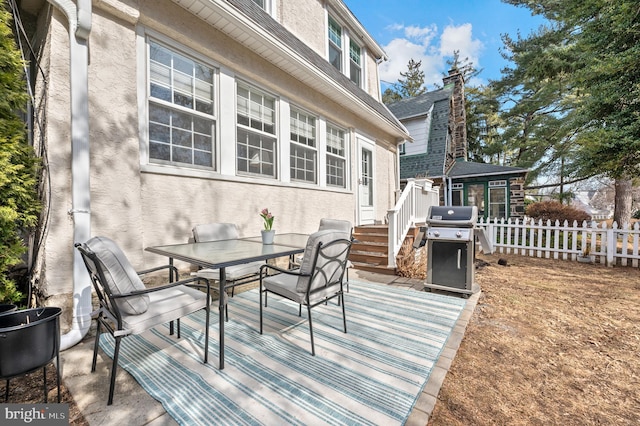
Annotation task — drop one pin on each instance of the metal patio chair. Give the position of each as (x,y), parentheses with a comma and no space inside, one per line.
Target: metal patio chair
(127,307)
(318,280)
(336,224)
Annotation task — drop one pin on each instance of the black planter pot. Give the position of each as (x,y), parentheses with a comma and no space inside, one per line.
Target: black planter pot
(29,339)
(7,308)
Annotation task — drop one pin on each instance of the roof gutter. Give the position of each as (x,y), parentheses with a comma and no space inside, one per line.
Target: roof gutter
(79,18)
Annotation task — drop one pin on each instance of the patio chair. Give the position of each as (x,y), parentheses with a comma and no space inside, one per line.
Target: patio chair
(127,307)
(319,279)
(235,275)
(337,224)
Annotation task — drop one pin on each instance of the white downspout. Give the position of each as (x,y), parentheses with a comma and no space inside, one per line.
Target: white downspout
(79,18)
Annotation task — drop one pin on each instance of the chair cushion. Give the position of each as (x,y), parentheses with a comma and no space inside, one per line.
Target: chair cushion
(337,224)
(323,237)
(233,273)
(215,232)
(286,286)
(120,276)
(165,305)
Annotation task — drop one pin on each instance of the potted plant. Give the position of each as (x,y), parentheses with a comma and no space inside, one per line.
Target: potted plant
(268,232)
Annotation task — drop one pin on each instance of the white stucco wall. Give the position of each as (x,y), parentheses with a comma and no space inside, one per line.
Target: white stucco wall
(306,19)
(57,250)
(141,206)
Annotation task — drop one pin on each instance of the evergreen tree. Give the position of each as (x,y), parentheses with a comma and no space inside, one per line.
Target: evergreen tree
(587,61)
(412,85)
(390,96)
(18,197)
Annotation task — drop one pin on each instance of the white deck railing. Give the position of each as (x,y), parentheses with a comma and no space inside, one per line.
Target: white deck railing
(412,207)
(607,245)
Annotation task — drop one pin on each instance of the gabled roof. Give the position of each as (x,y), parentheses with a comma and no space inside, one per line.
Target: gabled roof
(431,163)
(419,105)
(247,23)
(436,104)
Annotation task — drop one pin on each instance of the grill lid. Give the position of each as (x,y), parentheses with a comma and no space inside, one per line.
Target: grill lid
(452,216)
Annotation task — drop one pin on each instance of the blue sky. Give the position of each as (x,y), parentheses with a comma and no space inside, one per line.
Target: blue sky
(430,31)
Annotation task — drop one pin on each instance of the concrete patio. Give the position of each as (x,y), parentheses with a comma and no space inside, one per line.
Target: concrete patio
(133,406)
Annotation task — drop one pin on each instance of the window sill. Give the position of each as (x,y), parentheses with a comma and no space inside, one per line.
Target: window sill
(212,175)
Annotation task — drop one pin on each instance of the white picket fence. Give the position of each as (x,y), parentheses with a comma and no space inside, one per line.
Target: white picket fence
(606,245)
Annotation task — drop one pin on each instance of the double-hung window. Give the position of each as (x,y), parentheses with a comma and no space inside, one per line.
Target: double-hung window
(335,44)
(355,62)
(303,151)
(336,157)
(181,109)
(256,132)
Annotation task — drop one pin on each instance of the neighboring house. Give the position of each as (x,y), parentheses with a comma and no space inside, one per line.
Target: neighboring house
(437,123)
(583,201)
(159,115)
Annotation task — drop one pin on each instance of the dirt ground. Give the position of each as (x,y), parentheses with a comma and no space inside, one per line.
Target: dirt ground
(551,342)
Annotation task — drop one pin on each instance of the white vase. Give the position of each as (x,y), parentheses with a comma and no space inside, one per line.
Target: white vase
(267,236)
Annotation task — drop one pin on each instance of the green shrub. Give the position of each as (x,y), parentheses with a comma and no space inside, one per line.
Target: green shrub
(19,204)
(554,210)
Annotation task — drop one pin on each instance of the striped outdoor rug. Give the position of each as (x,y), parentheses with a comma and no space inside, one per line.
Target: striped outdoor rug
(371,375)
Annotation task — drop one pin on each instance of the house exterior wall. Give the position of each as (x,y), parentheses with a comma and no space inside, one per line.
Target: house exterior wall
(140,204)
(306,19)
(516,197)
(55,136)
(387,176)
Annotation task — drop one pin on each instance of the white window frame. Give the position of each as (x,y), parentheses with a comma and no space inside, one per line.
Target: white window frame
(303,151)
(256,148)
(331,43)
(168,126)
(353,64)
(333,156)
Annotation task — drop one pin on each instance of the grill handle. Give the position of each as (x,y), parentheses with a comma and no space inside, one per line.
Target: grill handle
(459,255)
(466,223)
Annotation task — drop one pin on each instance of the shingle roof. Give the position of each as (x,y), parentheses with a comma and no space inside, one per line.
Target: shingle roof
(277,30)
(432,162)
(468,169)
(418,105)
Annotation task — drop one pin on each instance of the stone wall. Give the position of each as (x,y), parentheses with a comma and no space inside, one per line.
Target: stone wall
(516,185)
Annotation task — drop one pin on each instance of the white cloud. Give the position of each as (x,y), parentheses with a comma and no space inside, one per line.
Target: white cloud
(433,49)
(461,38)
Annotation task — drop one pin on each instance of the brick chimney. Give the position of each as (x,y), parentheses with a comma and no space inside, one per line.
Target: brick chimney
(457,118)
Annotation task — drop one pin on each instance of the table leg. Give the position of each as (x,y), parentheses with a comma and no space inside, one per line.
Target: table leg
(221,294)
(171,280)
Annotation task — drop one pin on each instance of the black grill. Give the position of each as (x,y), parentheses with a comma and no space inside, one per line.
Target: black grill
(451,248)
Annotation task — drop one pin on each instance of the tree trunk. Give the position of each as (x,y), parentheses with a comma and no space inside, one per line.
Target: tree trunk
(623,201)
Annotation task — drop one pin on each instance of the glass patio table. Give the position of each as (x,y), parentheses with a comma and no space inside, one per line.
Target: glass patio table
(225,253)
